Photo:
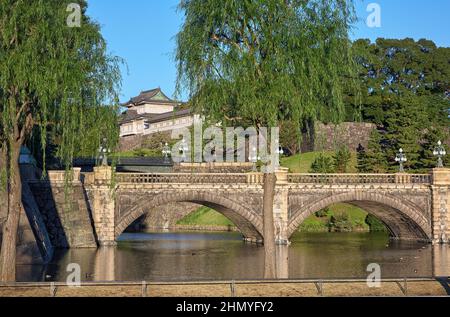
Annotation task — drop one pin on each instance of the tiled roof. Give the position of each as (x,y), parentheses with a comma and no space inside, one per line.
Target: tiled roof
(148,97)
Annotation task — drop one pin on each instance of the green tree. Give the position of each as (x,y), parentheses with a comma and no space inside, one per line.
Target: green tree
(375,156)
(289,137)
(391,67)
(363,165)
(323,164)
(259,62)
(341,159)
(404,90)
(431,137)
(54,78)
(256,63)
(405,125)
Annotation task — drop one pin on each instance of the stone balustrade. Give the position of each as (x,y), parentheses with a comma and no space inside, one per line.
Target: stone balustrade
(60,176)
(168,178)
(283,177)
(359,178)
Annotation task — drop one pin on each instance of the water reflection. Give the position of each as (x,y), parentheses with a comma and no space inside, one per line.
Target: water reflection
(216,256)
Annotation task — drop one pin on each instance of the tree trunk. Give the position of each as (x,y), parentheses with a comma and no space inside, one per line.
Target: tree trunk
(10,229)
(3,187)
(269,227)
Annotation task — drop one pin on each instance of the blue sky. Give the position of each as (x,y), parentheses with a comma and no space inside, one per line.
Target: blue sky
(142,32)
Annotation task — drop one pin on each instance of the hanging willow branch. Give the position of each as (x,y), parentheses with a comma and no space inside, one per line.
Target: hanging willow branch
(54,83)
(259,62)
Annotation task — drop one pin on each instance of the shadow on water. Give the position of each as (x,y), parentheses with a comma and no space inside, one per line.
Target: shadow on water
(185,256)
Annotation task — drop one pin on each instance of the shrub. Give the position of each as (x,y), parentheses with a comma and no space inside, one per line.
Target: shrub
(322,213)
(341,160)
(340,222)
(322,165)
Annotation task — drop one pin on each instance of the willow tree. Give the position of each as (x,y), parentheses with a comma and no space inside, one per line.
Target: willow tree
(55,74)
(259,62)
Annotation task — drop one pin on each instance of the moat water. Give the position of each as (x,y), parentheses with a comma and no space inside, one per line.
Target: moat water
(168,256)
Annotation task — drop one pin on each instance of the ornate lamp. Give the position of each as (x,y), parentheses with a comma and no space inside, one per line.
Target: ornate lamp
(254,158)
(440,152)
(401,159)
(103,152)
(166,152)
(280,152)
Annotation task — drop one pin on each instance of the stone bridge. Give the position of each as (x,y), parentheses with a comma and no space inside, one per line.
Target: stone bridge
(413,207)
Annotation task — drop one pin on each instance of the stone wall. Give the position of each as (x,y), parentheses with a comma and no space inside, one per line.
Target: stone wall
(134,142)
(130,143)
(326,137)
(330,137)
(67,219)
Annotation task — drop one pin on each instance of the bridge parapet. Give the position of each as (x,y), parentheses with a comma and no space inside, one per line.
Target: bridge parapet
(343,179)
(283,178)
(197,178)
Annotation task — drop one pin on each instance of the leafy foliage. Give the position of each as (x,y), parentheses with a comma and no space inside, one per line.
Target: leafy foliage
(376,161)
(260,62)
(341,160)
(362,160)
(322,213)
(55,79)
(322,165)
(404,90)
(340,222)
(375,224)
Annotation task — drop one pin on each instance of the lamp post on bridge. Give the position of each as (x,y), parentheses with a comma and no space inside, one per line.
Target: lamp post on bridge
(166,152)
(103,152)
(254,158)
(280,152)
(440,152)
(401,158)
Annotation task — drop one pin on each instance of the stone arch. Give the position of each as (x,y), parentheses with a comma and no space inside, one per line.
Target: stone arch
(246,220)
(404,220)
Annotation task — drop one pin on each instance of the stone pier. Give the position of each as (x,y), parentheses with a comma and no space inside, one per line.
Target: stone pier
(440,189)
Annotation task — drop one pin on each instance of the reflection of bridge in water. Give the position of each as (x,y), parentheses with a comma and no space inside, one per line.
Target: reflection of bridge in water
(413,207)
(111,264)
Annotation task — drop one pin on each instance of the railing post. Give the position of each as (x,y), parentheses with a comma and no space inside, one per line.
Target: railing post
(402,178)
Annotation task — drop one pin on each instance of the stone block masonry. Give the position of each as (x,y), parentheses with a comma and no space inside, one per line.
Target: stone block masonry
(99,209)
(351,134)
(65,212)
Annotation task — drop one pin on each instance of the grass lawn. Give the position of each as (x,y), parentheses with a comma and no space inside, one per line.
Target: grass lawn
(205,216)
(301,163)
(208,217)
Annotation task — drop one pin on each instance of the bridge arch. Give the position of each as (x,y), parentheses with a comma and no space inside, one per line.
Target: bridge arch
(404,220)
(246,220)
